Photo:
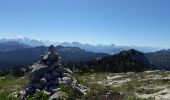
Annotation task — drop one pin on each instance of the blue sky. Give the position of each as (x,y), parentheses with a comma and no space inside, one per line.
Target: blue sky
(122,22)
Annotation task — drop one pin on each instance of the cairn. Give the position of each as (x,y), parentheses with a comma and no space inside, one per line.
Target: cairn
(48,74)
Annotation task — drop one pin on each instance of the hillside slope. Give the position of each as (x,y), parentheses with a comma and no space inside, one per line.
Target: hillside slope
(160,59)
(130,60)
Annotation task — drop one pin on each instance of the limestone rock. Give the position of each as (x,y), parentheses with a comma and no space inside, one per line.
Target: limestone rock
(59,96)
(62,83)
(55,74)
(67,80)
(47,76)
(55,90)
(82,89)
(67,75)
(51,57)
(43,81)
(37,85)
(56,81)
(66,70)
(38,72)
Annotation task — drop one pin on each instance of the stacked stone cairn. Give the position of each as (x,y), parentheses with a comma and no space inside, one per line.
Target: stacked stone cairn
(47,75)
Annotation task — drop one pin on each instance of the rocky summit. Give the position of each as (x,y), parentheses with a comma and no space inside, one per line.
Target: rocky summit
(48,75)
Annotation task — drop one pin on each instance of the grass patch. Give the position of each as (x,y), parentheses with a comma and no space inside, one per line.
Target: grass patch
(73,94)
(10,84)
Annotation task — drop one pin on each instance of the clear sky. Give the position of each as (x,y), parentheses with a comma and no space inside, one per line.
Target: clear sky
(122,22)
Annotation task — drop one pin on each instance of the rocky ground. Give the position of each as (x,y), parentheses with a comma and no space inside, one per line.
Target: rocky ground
(149,85)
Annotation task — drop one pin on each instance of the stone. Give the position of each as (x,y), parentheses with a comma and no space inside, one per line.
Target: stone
(43,91)
(81,91)
(49,83)
(51,57)
(38,72)
(59,79)
(68,80)
(30,91)
(37,90)
(59,96)
(47,76)
(66,70)
(59,68)
(55,90)
(67,75)
(53,66)
(56,81)
(36,85)
(51,49)
(55,74)
(43,81)
(21,95)
(62,83)
(47,93)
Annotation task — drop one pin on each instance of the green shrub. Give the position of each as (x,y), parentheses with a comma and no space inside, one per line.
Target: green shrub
(41,96)
(73,94)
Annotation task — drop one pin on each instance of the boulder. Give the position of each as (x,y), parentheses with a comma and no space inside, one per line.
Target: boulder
(59,68)
(54,65)
(37,85)
(47,76)
(55,74)
(38,72)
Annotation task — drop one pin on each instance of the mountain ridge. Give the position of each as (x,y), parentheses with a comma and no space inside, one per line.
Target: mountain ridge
(98,48)
(11,45)
(28,56)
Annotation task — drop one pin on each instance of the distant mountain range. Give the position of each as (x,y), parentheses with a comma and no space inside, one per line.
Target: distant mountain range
(110,49)
(28,56)
(12,45)
(28,41)
(26,51)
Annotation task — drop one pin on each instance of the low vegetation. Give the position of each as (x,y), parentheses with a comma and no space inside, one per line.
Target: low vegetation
(10,84)
(125,61)
(122,86)
(131,86)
